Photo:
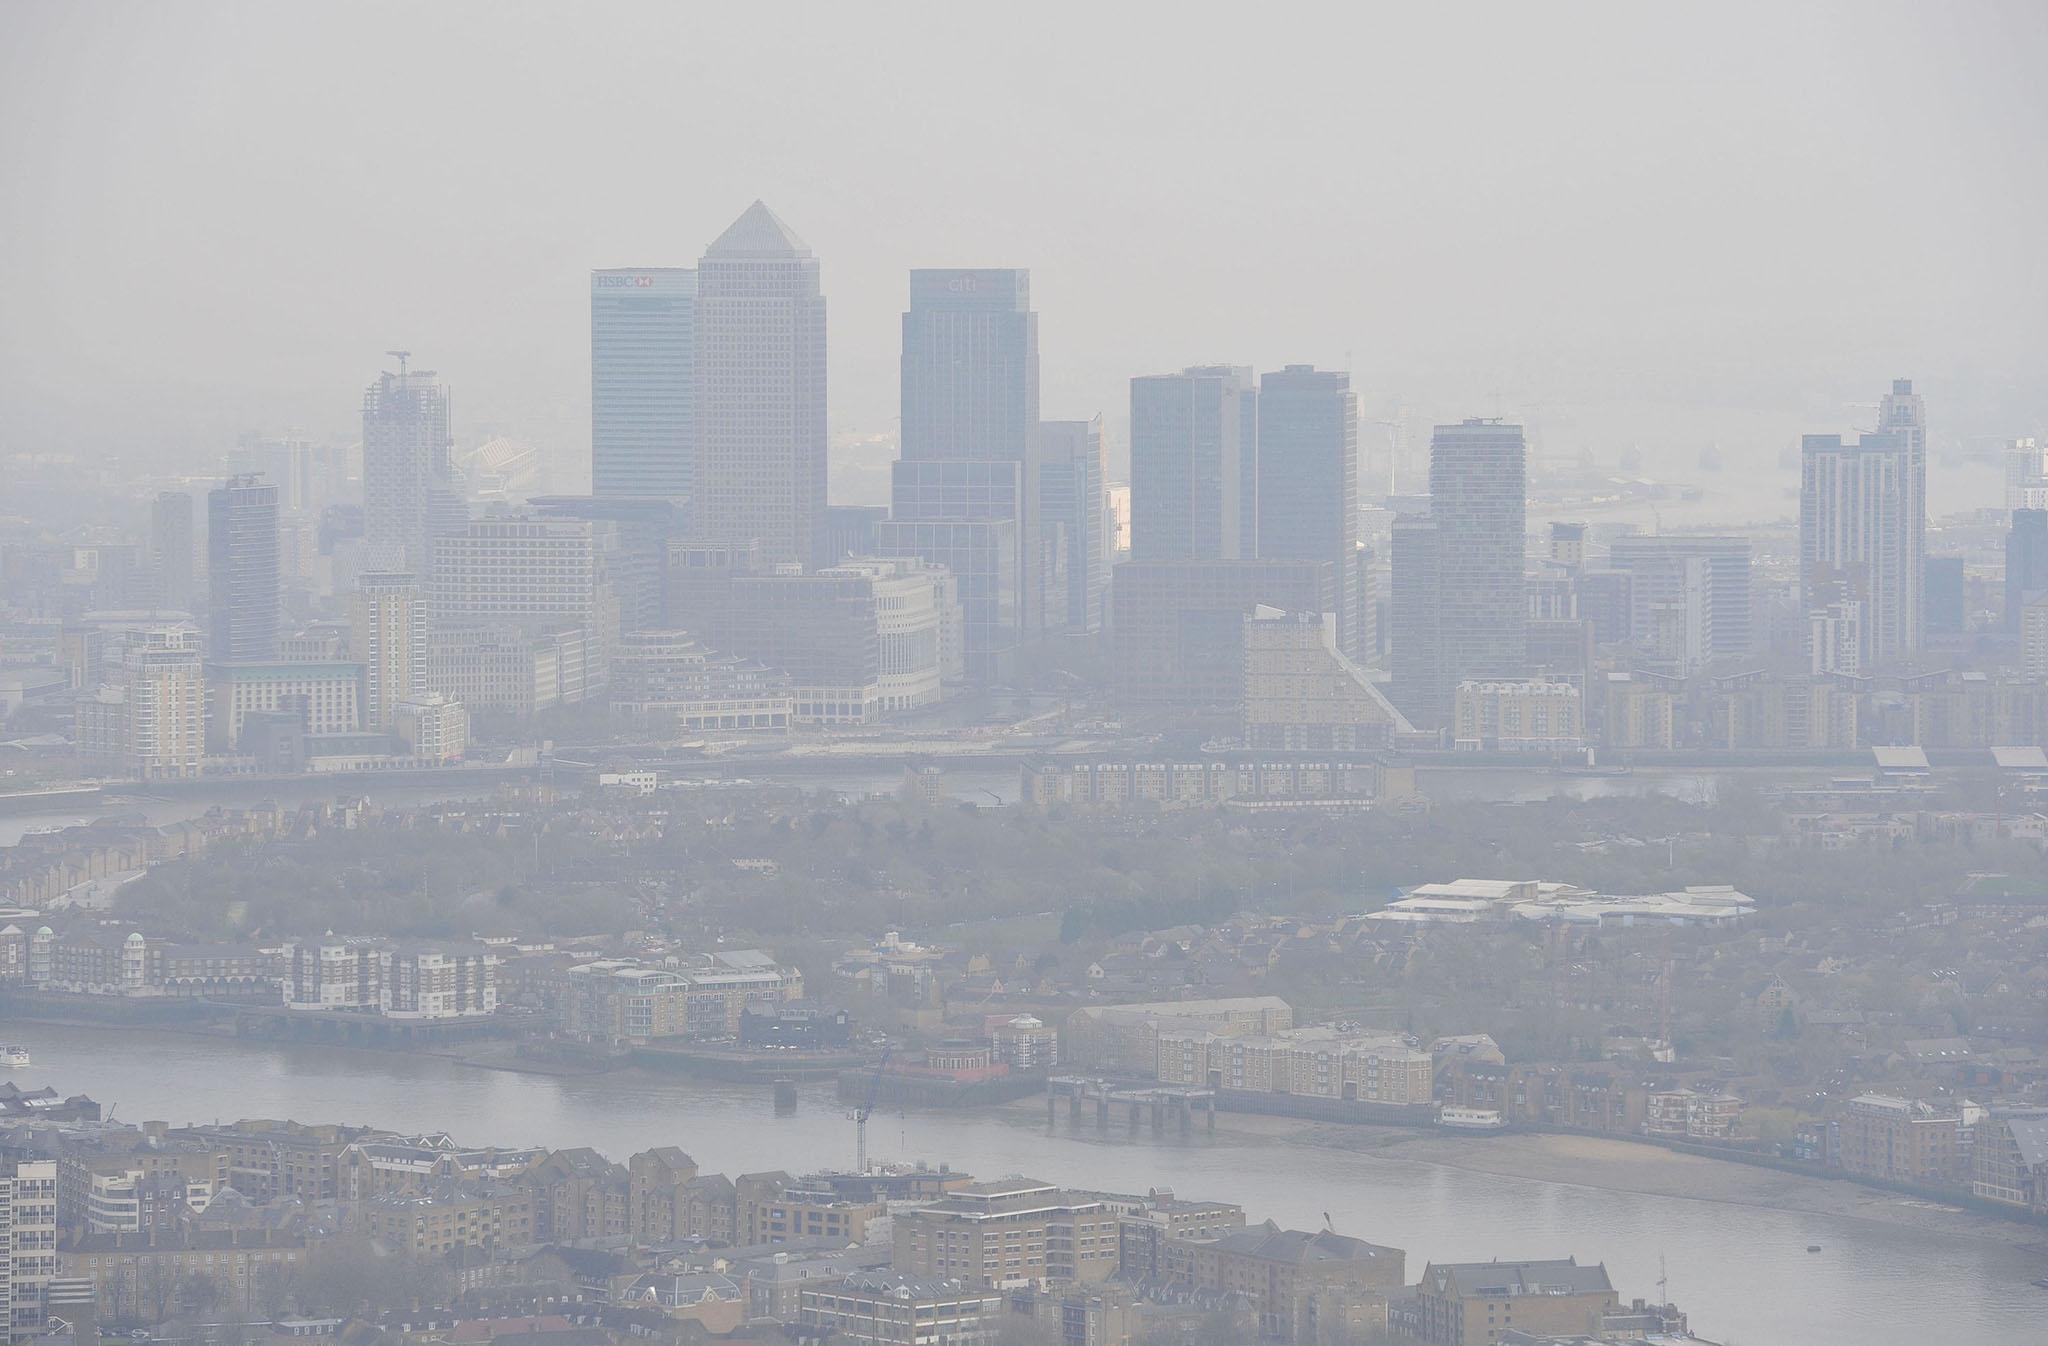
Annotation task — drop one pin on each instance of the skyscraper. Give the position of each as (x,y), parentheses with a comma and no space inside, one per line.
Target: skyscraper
(2026,563)
(1863,526)
(1727,560)
(760,380)
(171,549)
(1073,523)
(246,601)
(1308,483)
(1478,497)
(1902,412)
(1415,653)
(1194,465)
(643,381)
(387,635)
(970,448)
(409,490)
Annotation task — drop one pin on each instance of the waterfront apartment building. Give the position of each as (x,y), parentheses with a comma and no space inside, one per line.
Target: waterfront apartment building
(387,637)
(1125,1038)
(395,981)
(1194,465)
(760,392)
(1518,715)
(2009,1159)
(1302,1287)
(1308,485)
(1475,1303)
(1899,1140)
(246,601)
(409,485)
(620,1002)
(1301,694)
(1862,526)
(148,718)
(1300,1063)
(643,381)
(1019,1230)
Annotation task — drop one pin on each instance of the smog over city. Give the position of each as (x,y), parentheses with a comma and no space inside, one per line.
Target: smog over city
(948,675)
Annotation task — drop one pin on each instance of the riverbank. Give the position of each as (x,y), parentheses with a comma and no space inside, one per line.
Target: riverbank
(1614,1165)
(1651,1170)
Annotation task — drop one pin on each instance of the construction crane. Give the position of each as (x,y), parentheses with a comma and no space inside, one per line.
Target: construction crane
(860,1119)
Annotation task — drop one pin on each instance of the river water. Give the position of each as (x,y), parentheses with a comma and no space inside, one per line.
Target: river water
(1741,1271)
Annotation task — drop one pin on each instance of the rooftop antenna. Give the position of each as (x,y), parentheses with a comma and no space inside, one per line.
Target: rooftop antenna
(401,357)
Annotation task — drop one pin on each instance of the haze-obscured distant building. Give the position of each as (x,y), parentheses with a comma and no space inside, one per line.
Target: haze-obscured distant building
(1863,523)
(1308,484)
(246,602)
(409,488)
(1074,524)
(1302,695)
(760,392)
(387,636)
(1178,627)
(643,382)
(965,492)
(857,640)
(1194,465)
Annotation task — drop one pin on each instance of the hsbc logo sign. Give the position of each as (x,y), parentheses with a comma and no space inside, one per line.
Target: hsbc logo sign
(622,282)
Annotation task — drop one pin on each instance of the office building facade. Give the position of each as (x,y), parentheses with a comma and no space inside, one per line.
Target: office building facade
(1478,496)
(1194,465)
(1073,524)
(171,550)
(760,380)
(1178,628)
(1728,580)
(1415,642)
(1308,483)
(2026,562)
(970,452)
(643,382)
(246,597)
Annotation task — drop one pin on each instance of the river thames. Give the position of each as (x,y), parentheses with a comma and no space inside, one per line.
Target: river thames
(1741,1270)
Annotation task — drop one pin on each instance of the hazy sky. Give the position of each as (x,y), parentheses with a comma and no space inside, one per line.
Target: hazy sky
(1621,222)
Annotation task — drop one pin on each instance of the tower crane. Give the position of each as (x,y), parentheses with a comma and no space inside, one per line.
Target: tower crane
(860,1118)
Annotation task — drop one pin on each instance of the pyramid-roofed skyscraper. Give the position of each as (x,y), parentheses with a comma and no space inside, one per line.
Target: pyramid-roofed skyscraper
(760,373)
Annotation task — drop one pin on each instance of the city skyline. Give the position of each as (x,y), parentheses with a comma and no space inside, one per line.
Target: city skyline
(1380,263)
